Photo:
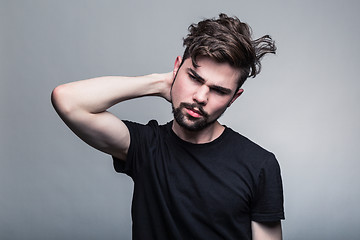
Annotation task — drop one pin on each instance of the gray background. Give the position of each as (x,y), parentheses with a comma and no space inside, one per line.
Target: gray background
(303,107)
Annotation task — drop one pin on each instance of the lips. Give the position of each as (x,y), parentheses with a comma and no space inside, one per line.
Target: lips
(193,112)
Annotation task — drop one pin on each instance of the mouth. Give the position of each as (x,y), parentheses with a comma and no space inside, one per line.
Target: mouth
(194,112)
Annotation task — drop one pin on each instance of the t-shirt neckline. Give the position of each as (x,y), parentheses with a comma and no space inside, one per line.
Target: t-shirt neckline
(197,145)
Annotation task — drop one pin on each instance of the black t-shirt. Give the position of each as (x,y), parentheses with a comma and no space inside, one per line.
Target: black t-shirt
(199,191)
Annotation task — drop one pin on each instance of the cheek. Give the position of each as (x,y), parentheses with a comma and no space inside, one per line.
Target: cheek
(175,97)
(180,91)
(218,105)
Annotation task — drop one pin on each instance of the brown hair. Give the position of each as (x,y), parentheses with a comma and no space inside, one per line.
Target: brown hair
(227,39)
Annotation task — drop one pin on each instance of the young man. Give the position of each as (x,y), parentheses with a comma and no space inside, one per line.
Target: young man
(193,177)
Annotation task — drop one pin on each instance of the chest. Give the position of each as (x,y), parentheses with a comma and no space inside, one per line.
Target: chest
(209,182)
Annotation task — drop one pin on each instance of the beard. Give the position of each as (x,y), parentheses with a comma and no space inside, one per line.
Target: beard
(189,122)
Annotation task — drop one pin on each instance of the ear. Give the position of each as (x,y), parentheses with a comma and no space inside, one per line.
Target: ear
(177,65)
(237,94)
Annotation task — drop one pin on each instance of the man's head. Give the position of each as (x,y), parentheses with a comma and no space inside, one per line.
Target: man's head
(219,56)
(201,94)
(227,39)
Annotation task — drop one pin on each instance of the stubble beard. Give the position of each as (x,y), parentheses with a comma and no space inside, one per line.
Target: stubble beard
(191,123)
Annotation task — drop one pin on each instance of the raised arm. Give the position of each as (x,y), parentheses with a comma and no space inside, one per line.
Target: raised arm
(82,106)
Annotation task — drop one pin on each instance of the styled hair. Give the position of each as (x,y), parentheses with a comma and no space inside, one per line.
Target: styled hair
(227,39)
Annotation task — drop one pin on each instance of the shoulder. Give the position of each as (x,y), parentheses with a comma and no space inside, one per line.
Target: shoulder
(132,124)
(140,127)
(249,150)
(146,131)
(244,143)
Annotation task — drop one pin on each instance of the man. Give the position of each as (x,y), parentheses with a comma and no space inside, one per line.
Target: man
(193,177)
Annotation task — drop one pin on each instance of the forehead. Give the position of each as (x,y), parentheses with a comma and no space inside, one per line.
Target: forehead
(221,74)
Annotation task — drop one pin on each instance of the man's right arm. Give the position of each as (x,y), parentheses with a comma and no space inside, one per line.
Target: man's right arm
(82,106)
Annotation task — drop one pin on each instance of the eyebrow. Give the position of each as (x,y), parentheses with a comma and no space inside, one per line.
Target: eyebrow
(202,80)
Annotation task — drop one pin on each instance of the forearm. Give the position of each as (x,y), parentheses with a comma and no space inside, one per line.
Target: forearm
(98,94)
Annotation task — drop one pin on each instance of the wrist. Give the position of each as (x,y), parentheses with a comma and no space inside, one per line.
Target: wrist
(162,84)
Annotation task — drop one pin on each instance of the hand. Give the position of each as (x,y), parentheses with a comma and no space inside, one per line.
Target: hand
(167,79)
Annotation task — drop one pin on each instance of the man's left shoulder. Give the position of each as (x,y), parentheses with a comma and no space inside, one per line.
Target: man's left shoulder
(248,147)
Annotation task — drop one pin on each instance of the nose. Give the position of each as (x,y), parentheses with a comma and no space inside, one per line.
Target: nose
(201,95)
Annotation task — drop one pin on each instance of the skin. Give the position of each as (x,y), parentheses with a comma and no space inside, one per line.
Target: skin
(83,105)
(266,231)
(211,86)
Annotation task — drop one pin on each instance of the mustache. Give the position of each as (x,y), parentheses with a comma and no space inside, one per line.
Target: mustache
(193,106)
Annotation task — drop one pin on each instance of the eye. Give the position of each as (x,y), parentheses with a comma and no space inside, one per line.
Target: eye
(220,92)
(194,78)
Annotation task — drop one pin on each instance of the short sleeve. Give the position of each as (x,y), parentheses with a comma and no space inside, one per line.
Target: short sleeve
(141,137)
(268,201)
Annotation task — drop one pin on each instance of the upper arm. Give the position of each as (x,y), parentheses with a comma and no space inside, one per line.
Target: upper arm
(266,230)
(103,131)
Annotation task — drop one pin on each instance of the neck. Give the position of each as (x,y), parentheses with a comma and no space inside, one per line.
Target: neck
(205,135)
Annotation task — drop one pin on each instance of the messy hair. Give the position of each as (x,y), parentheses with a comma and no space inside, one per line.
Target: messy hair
(227,39)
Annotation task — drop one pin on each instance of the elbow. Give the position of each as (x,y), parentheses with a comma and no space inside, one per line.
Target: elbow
(60,99)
